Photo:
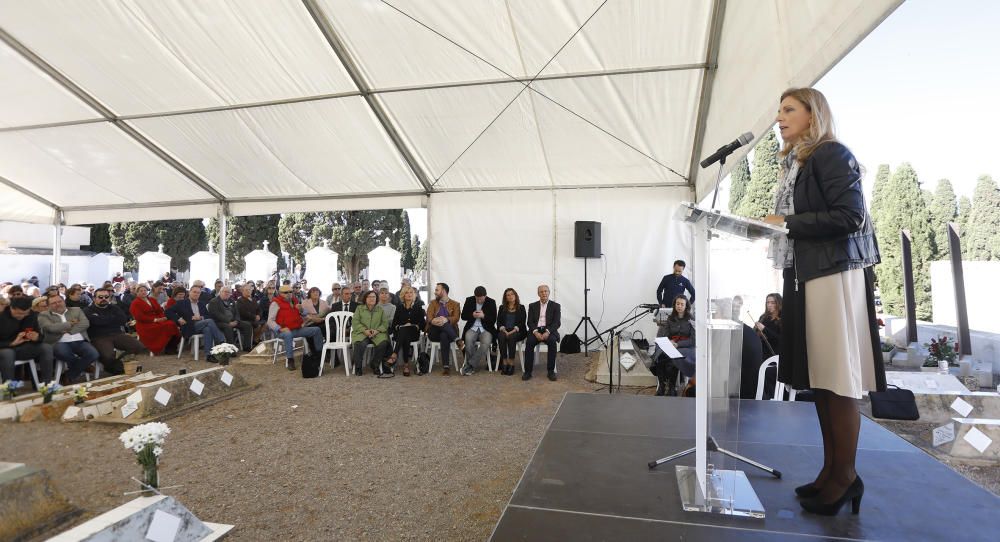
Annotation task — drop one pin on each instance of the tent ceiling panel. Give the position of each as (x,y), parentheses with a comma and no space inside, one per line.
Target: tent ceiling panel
(29,96)
(147,56)
(622,35)
(332,146)
(21,208)
(803,37)
(651,112)
(89,164)
(140,213)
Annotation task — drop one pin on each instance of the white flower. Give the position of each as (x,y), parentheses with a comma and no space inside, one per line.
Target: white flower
(224,348)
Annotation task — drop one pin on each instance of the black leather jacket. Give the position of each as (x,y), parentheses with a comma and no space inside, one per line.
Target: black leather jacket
(831,227)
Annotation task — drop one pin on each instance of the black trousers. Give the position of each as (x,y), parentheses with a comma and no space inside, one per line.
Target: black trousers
(529,352)
(508,344)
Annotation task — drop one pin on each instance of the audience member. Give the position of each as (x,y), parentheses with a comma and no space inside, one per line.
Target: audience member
(511,326)
(284,318)
(155,330)
(769,325)
(442,323)
(674,285)
(480,315)
(222,309)
(177,293)
(107,332)
(249,311)
(334,294)
(407,321)
(314,311)
(679,328)
(369,326)
(65,328)
(21,339)
(544,319)
(264,303)
(75,297)
(399,295)
(356,292)
(40,304)
(159,293)
(385,301)
(192,317)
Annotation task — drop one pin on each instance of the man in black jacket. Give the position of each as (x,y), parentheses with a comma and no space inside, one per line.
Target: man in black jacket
(544,318)
(107,332)
(480,315)
(20,339)
(191,315)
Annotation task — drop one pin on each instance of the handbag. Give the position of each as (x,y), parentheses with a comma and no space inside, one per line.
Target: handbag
(894,404)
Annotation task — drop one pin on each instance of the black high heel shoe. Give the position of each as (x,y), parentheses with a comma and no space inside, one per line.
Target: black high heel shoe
(854,493)
(807,491)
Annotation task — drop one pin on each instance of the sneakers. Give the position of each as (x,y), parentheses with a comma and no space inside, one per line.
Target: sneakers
(467,370)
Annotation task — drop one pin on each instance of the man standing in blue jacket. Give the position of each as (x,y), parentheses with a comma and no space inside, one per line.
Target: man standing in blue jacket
(674,285)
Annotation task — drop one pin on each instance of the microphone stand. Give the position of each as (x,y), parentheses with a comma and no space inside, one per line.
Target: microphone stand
(613,333)
(718,181)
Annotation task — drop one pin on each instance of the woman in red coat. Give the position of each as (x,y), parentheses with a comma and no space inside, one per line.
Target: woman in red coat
(156,331)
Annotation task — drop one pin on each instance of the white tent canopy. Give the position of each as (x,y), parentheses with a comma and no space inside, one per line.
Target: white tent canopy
(154,109)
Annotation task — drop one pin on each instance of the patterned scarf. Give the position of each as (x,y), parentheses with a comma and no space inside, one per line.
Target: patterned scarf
(781,249)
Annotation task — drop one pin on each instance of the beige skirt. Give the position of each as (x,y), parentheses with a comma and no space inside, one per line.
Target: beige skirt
(838,340)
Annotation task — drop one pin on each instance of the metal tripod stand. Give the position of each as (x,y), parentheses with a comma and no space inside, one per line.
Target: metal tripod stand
(585,320)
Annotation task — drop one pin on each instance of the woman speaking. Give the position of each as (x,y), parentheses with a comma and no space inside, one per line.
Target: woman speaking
(830,335)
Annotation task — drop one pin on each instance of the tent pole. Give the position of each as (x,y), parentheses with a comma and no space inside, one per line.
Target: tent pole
(223,234)
(56,247)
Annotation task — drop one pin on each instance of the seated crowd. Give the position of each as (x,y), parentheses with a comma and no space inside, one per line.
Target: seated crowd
(77,326)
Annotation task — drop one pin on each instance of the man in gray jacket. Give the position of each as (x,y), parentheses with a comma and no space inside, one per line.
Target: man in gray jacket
(222,309)
(66,330)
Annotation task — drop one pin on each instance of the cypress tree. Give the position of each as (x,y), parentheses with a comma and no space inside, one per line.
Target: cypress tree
(882,179)
(943,209)
(983,240)
(964,209)
(422,256)
(243,235)
(759,198)
(100,238)
(905,209)
(739,179)
(405,244)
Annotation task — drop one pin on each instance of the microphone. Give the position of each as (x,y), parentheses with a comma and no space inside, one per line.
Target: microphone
(726,150)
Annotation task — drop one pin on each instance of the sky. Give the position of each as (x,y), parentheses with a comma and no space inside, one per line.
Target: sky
(923,88)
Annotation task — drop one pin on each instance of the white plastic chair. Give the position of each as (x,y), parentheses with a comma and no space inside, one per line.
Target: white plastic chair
(34,370)
(195,345)
(434,347)
(279,348)
(779,388)
(539,348)
(342,342)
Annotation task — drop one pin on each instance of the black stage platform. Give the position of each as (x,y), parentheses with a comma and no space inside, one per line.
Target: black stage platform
(588,480)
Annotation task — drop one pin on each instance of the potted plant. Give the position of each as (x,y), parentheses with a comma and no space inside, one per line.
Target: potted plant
(223,352)
(888,349)
(8,390)
(80,394)
(47,390)
(941,352)
(146,441)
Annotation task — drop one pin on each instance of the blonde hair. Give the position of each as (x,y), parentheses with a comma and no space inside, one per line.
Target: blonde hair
(821,128)
(402,295)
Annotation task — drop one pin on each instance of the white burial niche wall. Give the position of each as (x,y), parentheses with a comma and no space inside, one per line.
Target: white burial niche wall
(261,264)
(383,264)
(152,265)
(204,267)
(103,266)
(321,268)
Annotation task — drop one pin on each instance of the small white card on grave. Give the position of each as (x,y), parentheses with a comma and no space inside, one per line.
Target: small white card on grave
(961,407)
(931,384)
(227,378)
(978,439)
(163,527)
(197,386)
(129,408)
(944,434)
(135,397)
(162,396)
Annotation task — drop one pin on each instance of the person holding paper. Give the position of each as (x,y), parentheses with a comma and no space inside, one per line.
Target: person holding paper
(679,329)
(829,332)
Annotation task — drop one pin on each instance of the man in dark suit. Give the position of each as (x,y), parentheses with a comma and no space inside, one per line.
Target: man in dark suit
(544,318)
(192,316)
(480,315)
(346,303)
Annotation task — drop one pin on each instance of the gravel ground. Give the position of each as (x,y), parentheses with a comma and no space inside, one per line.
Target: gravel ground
(416,458)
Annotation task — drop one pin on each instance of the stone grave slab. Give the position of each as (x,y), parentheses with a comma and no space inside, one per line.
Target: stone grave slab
(157,517)
(167,397)
(29,502)
(18,406)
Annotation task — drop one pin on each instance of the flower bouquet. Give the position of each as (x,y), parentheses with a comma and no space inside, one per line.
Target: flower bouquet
(8,390)
(47,390)
(941,352)
(223,352)
(146,441)
(80,394)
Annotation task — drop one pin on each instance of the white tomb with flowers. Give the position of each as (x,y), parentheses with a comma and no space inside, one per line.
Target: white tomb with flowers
(152,265)
(321,268)
(261,264)
(204,266)
(384,264)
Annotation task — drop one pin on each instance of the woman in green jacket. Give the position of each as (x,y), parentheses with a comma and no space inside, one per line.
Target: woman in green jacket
(369,325)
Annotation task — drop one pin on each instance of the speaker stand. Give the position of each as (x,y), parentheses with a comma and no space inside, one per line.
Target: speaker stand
(585,321)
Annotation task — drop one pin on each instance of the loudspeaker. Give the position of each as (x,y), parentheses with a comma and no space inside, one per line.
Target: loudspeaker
(587,239)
